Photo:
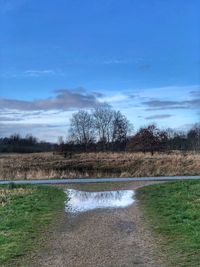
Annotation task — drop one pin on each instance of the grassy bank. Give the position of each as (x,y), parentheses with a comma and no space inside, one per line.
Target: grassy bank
(25,213)
(47,165)
(173,210)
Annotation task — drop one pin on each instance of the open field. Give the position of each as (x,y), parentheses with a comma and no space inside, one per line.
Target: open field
(25,212)
(49,166)
(173,211)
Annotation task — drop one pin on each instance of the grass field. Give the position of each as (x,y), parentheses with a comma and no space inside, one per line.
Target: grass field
(25,213)
(173,210)
(47,165)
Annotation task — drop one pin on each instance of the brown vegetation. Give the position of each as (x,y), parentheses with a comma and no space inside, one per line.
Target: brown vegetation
(107,164)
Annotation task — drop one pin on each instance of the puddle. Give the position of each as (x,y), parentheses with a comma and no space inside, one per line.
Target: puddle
(80,201)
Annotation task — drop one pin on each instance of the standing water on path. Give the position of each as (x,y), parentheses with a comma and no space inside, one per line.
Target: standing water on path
(80,201)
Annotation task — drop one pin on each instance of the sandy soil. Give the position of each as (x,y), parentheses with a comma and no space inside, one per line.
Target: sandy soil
(110,237)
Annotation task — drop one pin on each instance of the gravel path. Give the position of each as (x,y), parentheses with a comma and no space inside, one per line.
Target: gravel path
(110,237)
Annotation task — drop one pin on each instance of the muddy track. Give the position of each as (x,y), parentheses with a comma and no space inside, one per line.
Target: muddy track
(110,237)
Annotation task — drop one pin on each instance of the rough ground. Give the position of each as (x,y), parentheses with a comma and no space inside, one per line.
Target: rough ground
(110,237)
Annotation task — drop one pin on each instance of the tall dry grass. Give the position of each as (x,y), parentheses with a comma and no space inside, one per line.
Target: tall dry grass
(47,165)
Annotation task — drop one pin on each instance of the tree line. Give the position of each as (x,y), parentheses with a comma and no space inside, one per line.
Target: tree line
(28,144)
(105,129)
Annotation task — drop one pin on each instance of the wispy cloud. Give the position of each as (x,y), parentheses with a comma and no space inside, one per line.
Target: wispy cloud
(191,100)
(6,119)
(139,64)
(37,73)
(32,73)
(165,104)
(159,117)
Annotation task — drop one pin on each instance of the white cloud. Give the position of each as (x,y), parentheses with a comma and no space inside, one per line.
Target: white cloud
(32,73)
(114,98)
(37,73)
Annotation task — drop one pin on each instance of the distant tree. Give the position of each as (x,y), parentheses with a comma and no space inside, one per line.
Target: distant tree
(111,128)
(61,144)
(193,137)
(149,139)
(27,144)
(121,129)
(15,139)
(179,141)
(81,129)
(30,140)
(103,117)
(101,129)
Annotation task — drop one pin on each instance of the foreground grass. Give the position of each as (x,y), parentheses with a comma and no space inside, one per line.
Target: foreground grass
(174,213)
(25,212)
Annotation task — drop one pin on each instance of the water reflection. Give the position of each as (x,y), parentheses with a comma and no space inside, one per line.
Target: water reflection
(80,201)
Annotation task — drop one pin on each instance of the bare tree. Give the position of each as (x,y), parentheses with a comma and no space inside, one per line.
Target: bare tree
(193,137)
(81,128)
(101,129)
(103,123)
(120,130)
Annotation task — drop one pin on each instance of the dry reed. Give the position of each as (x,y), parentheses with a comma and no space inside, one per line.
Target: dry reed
(47,165)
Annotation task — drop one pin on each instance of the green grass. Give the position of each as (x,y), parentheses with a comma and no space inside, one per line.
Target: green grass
(25,214)
(173,210)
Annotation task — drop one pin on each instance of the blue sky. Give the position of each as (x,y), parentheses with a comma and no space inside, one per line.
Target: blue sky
(140,56)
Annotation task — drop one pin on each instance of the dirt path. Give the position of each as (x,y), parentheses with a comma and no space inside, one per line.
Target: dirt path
(110,237)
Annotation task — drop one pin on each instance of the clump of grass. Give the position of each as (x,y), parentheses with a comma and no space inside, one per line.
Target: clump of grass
(173,211)
(6,194)
(24,216)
